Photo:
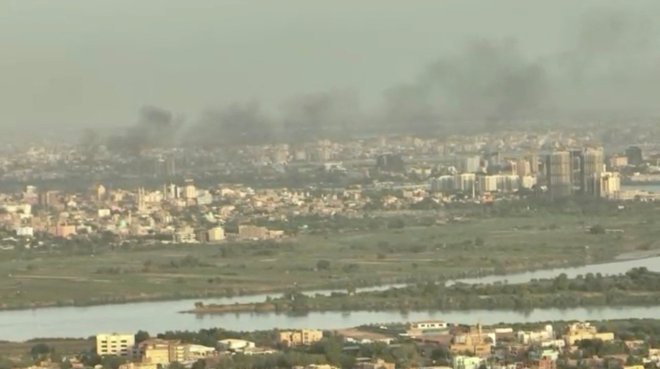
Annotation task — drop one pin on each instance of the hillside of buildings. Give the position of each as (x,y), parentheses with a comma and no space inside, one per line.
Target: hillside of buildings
(620,344)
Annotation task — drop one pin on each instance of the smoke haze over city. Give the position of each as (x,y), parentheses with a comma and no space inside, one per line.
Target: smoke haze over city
(233,72)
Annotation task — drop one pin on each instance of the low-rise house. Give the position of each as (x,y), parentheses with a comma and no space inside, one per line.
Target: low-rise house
(232,344)
(192,353)
(654,355)
(185,235)
(544,363)
(252,232)
(466,362)
(529,337)
(544,353)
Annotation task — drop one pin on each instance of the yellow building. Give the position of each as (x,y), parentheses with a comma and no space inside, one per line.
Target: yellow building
(300,337)
(114,344)
(156,351)
(162,352)
(585,331)
(216,234)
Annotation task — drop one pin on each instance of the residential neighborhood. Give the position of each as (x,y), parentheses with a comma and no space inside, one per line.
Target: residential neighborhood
(428,344)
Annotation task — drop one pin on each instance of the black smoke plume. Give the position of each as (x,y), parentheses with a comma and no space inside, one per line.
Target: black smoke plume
(156,127)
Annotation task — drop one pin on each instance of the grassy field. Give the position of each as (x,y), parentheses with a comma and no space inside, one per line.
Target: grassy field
(493,244)
(61,346)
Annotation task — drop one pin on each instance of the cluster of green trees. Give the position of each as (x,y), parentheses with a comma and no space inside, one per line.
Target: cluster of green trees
(638,286)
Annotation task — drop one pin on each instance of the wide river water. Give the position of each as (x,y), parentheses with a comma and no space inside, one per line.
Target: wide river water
(162,316)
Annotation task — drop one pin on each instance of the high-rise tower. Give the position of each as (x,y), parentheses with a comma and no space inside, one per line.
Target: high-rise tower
(559,174)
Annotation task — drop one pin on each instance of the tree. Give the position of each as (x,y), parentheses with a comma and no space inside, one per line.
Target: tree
(597,229)
(323,265)
(199,364)
(176,365)
(112,362)
(40,350)
(141,336)
(440,353)
(561,282)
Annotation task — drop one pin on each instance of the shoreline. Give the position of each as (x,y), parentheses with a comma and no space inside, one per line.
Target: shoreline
(90,341)
(267,308)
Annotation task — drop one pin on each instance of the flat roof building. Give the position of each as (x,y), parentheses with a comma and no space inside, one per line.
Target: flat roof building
(115,344)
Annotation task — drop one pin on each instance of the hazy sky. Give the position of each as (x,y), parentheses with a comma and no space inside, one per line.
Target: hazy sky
(95,63)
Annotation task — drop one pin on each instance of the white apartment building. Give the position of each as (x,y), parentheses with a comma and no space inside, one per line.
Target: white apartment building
(429,324)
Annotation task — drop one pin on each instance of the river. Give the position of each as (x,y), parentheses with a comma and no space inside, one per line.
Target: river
(616,267)
(164,315)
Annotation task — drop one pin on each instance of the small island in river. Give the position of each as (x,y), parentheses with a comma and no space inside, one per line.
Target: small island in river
(638,286)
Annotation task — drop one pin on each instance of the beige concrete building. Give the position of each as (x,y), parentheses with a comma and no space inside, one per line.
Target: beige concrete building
(115,344)
(64,230)
(609,184)
(252,232)
(216,234)
(476,341)
(300,337)
(585,331)
(618,161)
(158,352)
(164,352)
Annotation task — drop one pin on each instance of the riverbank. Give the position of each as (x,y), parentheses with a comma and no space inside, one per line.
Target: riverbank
(248,292)
(242,302)
(479,245)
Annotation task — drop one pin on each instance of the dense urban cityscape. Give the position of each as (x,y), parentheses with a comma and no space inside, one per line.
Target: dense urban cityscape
(345,179)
